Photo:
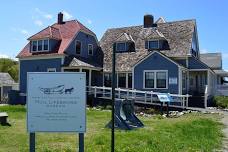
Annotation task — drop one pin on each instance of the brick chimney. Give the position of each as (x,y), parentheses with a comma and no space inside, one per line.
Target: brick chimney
(60,18)
(148,21)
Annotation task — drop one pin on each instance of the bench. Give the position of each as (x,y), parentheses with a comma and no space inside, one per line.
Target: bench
(3,118)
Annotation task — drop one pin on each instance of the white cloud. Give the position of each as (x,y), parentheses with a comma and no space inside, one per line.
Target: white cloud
(25,32)
(89,21)
(67,15)
(48,16)
(19,30)
(4,56)
(38,22)
(43,14)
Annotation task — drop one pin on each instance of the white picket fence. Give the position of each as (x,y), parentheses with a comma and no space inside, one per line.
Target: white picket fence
(142,97)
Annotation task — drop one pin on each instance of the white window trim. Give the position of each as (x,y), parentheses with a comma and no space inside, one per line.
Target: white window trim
(51,70)
(88,49)
(148,44)
(42,50)
(125,46)
(80,47)
(155,78)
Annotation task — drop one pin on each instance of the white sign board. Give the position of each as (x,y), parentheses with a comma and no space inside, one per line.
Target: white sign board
(56,102)
(164,98)
(173,80)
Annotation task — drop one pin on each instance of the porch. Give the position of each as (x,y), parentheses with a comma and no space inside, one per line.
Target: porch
(198,79)
(94,76)
(222,82)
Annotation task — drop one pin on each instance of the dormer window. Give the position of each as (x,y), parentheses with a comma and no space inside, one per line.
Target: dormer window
(34,46)
(78,47)
(45,45)
(40,45)
(121,47)
(153,44)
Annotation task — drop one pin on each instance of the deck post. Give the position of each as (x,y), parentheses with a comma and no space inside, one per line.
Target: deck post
(95,91)
(187,100)
(151,95)
(145,97)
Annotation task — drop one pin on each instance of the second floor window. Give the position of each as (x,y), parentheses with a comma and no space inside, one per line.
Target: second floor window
(90,49)
(120,47)
(34,45)
(45,45)
(40,45)
(154,44)
(78,47)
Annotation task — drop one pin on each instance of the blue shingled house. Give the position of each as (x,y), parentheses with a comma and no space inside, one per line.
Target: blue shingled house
(156,56)
(161,56)
(63,46)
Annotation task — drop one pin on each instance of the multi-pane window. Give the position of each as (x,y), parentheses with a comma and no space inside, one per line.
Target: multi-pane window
(161,79)
(107,79)
(40,45)
(129,80)
(90,49)
(78,47)
(153,44)
(120,47)
(122,80)
(51,70)
(34,45)
(149,79)
(155,79)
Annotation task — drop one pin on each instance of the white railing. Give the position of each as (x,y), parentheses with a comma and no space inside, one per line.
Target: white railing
(222,90)
(143,97)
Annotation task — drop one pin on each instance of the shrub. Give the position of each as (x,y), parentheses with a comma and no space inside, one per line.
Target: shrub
(221,101)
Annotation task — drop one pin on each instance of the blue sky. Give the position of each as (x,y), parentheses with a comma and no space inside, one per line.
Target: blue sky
(22,18)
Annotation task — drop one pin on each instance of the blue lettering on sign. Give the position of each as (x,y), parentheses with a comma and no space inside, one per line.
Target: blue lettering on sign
(164,97)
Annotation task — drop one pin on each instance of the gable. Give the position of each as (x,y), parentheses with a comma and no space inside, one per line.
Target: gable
(157,60)
(194,63)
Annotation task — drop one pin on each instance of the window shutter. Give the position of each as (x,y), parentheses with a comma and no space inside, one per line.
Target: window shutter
(146,44)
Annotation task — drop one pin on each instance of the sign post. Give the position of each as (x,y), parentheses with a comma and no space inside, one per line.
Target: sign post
(163,97)
(113,96)
(56,102)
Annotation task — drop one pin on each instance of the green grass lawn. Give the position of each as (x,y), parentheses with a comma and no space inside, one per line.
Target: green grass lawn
(192,132)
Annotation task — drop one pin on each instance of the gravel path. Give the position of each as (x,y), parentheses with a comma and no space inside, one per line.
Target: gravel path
(225,131)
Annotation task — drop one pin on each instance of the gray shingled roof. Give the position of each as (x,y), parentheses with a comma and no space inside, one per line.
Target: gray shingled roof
(213,60)
(178,35)
(76,61)
(6,79)
(221,73)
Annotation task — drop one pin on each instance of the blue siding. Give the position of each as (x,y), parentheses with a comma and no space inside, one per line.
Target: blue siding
(194,63)
(181,62)
(36,66)
(85,40)
(156,62)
